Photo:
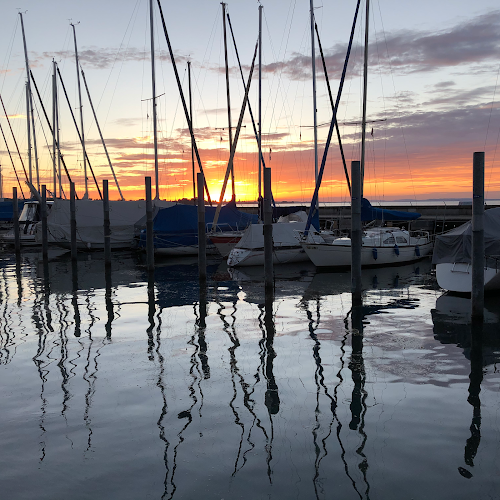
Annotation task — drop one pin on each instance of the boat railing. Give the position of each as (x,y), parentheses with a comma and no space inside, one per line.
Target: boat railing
(492,261)
(220,227)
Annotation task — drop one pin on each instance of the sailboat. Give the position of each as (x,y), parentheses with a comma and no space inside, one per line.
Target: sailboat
(31,213)
(453,252)
(381,245)
(249,248)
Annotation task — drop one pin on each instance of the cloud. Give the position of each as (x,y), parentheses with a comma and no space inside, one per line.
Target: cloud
(103,58)
(127,122)
(16,117)
(468,43)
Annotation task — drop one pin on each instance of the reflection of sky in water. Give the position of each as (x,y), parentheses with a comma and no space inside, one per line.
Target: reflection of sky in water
(155,399)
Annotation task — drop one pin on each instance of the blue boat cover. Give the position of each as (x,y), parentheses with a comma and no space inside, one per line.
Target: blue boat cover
(368,212)
(7,210)
(178,225)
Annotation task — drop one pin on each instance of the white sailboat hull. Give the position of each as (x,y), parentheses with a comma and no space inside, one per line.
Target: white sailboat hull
(457,277)
(328,255)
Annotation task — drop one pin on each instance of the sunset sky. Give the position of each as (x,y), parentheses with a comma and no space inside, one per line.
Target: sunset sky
(433,75)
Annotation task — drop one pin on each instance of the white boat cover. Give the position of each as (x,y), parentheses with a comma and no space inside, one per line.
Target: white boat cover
(90,219)
(285,234)
(456,245)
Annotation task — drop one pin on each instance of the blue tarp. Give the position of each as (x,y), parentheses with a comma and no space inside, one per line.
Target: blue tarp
(368,213)
(7,210)
(178,225)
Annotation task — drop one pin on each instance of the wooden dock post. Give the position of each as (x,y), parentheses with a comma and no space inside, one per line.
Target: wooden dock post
(107,227)
(202,236)
(477,294)
(43,213)
(72,207)
(150,248)
(17,234)
(268,232)
(356,233)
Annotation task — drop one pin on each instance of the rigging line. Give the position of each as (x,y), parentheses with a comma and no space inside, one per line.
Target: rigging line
(333,109)
(201,98)
(280,90)
(384,104)
(280,74)
(290,14)
(176,109)
(115,60)
(8,55)
(160,109)
(43,132)
(12,161)
(348,124)
(186,112)
(77,130)
(248,103)
(493,160)
(14,137)
(211,38)
(102,138)
(314,201)
(491,108)
(397,101)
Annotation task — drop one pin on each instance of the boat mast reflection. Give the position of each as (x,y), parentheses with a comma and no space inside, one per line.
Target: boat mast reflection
(267,355)
(42,329)
(233,363)
(475,377)
(74,297)
(358,402)
(321,386)
(108,294)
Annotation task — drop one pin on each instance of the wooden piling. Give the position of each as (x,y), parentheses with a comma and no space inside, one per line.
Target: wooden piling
(17,234)
(72,208)
(202,236)
(150,248)
(477,294)
(268,231)
(43,213)
(107,227)
(356,233)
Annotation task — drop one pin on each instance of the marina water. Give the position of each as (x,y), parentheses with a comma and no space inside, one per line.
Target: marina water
(118,386)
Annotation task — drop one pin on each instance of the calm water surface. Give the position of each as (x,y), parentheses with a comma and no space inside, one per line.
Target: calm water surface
(115,386)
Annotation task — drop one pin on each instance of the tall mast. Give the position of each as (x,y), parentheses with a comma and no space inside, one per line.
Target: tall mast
(28,123)
(1,182)
(29,111)
(313,60)
(365,90)
(260,101)
(191,118)
(228,95)
(54,127)
(86,195)
(56,98)
(153,80)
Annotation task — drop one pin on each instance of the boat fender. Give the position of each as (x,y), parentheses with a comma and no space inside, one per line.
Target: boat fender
(374,253)
(417,251)
(396,250)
